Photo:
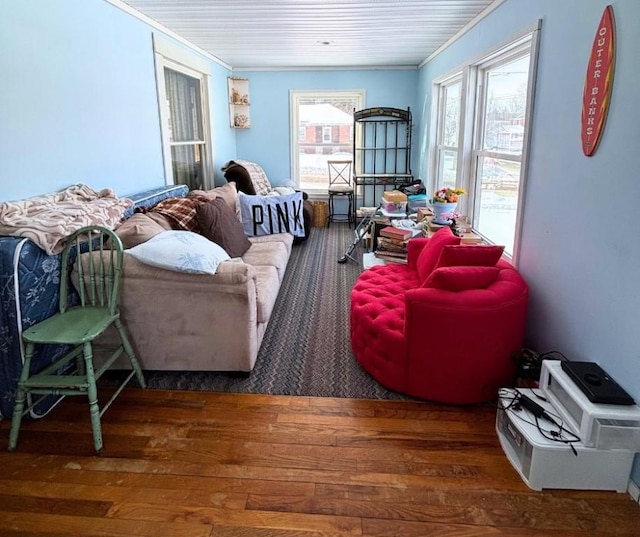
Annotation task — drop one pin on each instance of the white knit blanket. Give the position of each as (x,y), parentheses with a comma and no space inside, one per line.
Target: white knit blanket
(50,218)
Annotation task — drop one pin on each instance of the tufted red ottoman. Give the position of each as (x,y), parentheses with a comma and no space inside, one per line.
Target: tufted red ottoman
(444,335)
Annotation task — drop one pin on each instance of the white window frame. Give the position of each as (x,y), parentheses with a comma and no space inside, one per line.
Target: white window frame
(170,56)
(294,97)
(470,128)
(440,147)
(326,135)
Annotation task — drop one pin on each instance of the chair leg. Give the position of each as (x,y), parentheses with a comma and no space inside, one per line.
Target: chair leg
(129,350)
(92,393)
(330,211)
(21,395)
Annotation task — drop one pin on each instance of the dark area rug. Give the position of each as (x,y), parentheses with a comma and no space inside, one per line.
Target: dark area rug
(306,349)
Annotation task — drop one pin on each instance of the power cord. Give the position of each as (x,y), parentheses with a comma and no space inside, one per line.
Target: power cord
(518,402)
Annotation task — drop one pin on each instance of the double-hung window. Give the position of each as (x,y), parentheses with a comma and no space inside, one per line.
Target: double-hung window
(182,83)
(321,130)
(481,134)
(448,131)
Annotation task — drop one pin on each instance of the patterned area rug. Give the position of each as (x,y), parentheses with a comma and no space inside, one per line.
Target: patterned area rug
(306,348)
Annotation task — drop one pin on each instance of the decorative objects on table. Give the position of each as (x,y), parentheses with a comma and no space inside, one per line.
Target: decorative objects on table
(598,83)
(444,203)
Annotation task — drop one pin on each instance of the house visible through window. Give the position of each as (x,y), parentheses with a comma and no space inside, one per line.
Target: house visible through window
(321,130)
(480,139)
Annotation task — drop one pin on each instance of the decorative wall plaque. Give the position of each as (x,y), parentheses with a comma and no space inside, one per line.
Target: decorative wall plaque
(598,83)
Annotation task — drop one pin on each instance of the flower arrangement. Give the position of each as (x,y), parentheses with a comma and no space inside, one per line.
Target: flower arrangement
(447,195)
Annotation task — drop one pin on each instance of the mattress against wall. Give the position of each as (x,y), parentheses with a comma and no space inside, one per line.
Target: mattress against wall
(29,293)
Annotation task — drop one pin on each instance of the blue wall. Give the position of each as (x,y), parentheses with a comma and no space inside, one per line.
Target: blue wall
(78,100)
(267,142)
(580,253)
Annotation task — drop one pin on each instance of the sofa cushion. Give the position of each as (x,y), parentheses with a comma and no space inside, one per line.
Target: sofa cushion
(476,255)
(227,192)
(431,252)
(138,229)
(268,254)
(265,215)
(285,238)
(163,221)
(180,251)
(267,287)
(219,224)
(462,278)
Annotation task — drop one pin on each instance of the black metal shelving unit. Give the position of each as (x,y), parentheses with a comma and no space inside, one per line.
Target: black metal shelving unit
(381,152)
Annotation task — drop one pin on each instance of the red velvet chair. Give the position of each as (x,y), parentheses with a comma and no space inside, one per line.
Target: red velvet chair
(443,326)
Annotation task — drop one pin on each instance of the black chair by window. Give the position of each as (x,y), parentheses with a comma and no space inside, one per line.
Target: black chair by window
(340,185)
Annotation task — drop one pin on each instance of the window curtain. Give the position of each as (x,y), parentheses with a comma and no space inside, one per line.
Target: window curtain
(185,127)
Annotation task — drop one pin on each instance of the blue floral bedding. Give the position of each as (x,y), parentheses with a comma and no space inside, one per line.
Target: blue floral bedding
(29,293)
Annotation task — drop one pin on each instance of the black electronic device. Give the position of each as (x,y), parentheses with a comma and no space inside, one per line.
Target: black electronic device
(596,384)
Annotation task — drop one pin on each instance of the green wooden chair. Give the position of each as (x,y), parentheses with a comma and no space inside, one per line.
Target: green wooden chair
(97,280)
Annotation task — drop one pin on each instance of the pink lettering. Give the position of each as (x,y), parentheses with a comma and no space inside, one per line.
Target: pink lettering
(601,42)
(594,91)
(596,73)
(589,131)
(593,101)
(590,121)
(592,111)
(598,63)
(602,31)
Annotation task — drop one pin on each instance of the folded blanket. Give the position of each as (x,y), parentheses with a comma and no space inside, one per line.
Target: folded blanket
(50,218)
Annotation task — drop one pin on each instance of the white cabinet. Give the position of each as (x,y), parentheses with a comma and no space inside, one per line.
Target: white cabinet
(239,111)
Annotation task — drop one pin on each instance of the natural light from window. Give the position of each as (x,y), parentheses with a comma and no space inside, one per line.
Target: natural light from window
(499,159)
(479,138)
(322,130)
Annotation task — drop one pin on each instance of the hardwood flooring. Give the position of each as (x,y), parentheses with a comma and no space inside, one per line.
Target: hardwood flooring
(192,464)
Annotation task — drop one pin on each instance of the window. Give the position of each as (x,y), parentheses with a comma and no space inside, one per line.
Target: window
(481,132)
(321,130)
(182,92)
(448,131)
(186,135)
(497,155)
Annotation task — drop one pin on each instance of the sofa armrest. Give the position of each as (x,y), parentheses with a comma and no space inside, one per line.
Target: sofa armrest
(469,336)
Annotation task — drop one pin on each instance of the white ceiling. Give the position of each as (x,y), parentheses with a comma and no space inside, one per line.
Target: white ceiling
(270,34)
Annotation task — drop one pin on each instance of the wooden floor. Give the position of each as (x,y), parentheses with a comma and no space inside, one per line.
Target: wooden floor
(197,465)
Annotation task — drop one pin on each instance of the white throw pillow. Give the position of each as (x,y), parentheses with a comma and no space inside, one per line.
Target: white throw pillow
(266,215)
(180,251)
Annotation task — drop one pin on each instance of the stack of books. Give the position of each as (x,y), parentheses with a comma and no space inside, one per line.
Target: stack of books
(392,244)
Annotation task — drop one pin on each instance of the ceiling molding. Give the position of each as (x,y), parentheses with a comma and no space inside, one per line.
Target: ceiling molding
(496,4)
(170,33)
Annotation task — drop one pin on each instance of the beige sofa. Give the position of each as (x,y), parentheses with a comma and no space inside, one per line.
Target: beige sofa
(200,322)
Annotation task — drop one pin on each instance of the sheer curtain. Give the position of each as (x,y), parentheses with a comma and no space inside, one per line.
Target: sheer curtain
(185,128)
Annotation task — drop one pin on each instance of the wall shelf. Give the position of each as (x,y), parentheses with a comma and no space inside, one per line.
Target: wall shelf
(239,104)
